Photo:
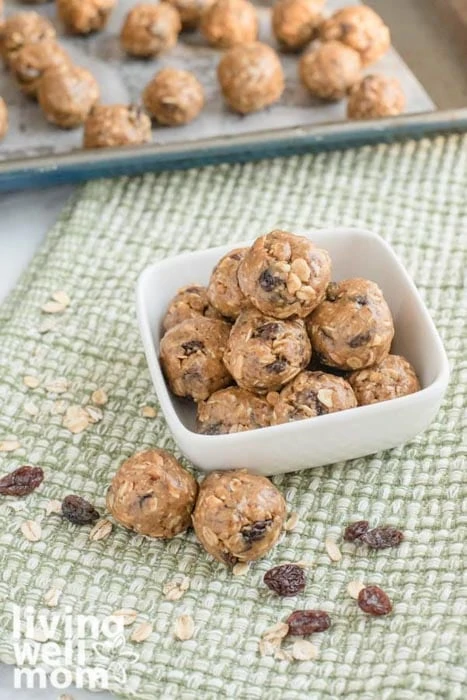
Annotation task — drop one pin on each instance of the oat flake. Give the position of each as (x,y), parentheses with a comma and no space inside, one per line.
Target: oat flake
(47,325)
(53,507)
(334,553)
(56,386)
(128,615)
(142,632)
(291,522)
(101,530)
(95,414)
(9,445)
(52,597)
(31,530)
(174,590)
(30,408)
(61,297)
(76,419)
(241,568)
(148,412)
(99,397)
(31,382)
(53,307)
(304,651)
(354,588)
(184,628)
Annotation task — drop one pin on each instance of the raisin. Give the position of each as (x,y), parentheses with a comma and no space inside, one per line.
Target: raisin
(22,481)
(374,601)
(354,531)
(268,281)
(79,511)
(361,300)
(332,292)
(192,346)
(256,531)
(268,331)
(382,537)
(277,366)
(285,580)
(303,622)
(359,340)
(229,558)
(310,398)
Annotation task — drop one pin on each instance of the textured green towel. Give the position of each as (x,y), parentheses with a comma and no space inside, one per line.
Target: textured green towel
(414,195)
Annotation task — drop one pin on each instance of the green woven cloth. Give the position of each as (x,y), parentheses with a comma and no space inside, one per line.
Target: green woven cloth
(412,194)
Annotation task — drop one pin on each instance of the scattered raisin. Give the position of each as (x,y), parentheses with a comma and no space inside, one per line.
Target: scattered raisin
(22,481)
(285,580)
(268,331)
(277,366)
(359,340)
(192,346)
(382,537)
(354,531)
(374,601)
(268,281)
(256,531)
(303,622)
(79,511)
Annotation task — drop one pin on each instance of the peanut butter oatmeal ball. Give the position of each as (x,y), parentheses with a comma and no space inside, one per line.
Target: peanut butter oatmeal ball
(376,96)
(191,11)
(251,77)
(189,302)
(285,275)
(312,394)
(238,516)
(66,94)
(149,30)
(21,29)
(224,292)
(391,378)
(153,494)
(29,63)
(353,327)
(3,118)
(191,357)
(111,126)
(233,410)
(84,16)
(227,23)
(264,353)
(174,97)
(360,28)
(330,70)
(295,22)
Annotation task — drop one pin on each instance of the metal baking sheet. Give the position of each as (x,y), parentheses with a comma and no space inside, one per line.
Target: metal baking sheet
(35,152)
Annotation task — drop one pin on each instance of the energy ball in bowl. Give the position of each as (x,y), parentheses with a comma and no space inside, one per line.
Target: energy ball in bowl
(173,97)
(295,22)
(251,77)
(391,378)
(312,394)
(23,28)
(330,70)
(29,63)
(376,96)
(149,30)
(191,11)
(224,292)
(285,275)
(3,118)
(84,16)
(153,494)
(191,356)
(229,22)
(360,28)
(353,327)
(264,353)
(189,302)
(233,410)
(238,516)
(110,126)
(66,94)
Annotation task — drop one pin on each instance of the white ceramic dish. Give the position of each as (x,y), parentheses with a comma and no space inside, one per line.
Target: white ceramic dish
(316,441)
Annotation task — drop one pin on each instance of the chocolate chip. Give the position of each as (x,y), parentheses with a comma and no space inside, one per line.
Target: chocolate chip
(268,331)
(256,531)
(268,282)
(192,346)
(360,339)
(277,366)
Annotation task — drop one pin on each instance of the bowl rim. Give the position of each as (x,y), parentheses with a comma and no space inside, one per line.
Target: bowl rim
(179,430)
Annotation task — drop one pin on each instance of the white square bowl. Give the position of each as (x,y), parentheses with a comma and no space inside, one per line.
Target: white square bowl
(325,439)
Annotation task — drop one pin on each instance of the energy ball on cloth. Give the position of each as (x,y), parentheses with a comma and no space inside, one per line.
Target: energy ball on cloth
(153,494)
(238,516)
(110,126)
(191,11)
(251,77)
(353,327)
(191,356)
(330,70)
(376,96)
(149,30)
(189,302)
(285,275)
(3,118)
(391,378)
(264,353)
(224,292)
(295,22)
(29,63)
(360,28)
(21,29)
(173,97)
(312,394)
(84,16)
(233,410)
(66,94)
(229,22)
